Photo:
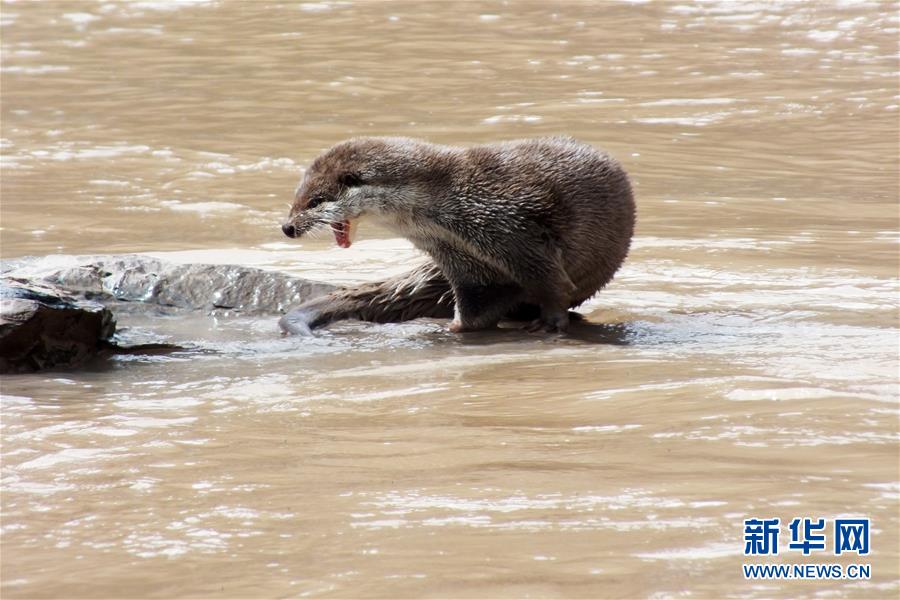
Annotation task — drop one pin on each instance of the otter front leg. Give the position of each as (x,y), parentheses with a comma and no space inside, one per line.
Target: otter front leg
(481,306)
(482,295)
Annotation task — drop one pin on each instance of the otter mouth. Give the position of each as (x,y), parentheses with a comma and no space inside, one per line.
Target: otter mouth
(341,230)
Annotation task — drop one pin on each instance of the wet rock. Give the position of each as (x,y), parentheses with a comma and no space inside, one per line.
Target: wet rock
(136,278)
(53,312)
(41,327)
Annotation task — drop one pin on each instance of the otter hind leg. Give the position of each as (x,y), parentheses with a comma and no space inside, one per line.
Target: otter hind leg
(553,293)
(481,306)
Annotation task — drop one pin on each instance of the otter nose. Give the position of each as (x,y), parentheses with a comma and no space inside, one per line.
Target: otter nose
(288,230)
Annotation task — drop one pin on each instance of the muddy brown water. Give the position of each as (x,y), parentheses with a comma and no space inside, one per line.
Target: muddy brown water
(743,364)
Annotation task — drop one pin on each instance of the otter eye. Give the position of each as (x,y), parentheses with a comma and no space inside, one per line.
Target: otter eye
(350,180)
(315,202)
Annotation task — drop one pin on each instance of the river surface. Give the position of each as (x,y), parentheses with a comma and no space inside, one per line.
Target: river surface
(743,364)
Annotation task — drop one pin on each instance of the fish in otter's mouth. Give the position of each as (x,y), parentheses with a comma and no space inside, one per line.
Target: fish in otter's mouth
(342,230)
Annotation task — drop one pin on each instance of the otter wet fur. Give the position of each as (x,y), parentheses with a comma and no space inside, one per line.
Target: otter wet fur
(520,230)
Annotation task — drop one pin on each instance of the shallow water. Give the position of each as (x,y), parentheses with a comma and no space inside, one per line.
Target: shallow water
(743,364)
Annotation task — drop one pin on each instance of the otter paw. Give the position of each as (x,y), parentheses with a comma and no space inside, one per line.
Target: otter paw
(550,324)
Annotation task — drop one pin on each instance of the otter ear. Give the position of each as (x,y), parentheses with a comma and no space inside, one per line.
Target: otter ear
(350,180)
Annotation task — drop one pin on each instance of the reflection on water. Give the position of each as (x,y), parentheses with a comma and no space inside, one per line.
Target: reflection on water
(743,363)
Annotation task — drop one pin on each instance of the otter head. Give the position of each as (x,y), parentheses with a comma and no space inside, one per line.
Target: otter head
(327,196)
(355,178)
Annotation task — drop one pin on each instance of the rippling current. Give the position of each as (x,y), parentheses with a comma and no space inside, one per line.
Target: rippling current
(743,364)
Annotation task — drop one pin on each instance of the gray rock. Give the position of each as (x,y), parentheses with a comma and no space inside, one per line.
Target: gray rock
(135,278)
(41,327)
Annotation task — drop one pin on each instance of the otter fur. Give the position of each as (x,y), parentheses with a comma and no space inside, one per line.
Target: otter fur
(520,229)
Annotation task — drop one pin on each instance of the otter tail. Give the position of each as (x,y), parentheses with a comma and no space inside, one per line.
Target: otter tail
(423,292)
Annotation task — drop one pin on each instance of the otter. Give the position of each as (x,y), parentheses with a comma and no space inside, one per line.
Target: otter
(522,230)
